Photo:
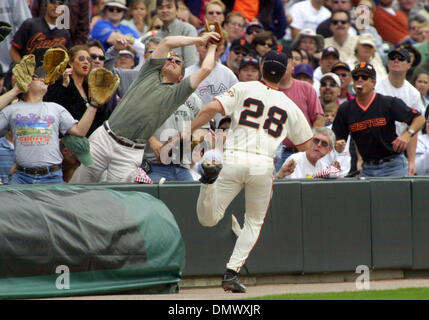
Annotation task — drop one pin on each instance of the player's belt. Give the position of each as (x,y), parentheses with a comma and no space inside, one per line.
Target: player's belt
(380,161)
(43,170)
(121,140)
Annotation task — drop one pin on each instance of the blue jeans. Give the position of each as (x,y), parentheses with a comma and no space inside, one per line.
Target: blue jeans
(20,177)
(398,167)
(281,156)
(170,173)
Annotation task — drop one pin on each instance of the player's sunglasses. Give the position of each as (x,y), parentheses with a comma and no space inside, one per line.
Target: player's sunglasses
(177,61)
(265,44)
(397,56)
(82,59)
(331,84)
(114,9)
(99,57)
(251,30)
(244,53)
(214,12)
(335,22)
(356,77)
(316,141)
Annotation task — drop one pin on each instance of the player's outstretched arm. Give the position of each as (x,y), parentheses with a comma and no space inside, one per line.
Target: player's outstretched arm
(206,114)
(7,97)
(169,43)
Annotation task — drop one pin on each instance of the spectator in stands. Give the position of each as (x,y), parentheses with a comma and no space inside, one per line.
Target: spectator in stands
(14,12)
(167,12)
(422,85)
(407,6)
(125,59)
(264,42)
(97,54)
(252,29)
(75,151)
(240,49)
(415,58)
(35,126)
(138,17)
(324,28)
(424,12)
(374,131)
(183,13)
(150,45)
(249,69)
(307,14)
(396,85)
(305,97)
(313,43)
(296,57)
(71,90)
(307,163)
(365,51)
(215,11)
(110,28)
(36,35)
(330,56)
(414,23)
(342,70)
(307,58)
(341,39)
(7,152)
(99,13)
(304,72)
(330,85)
(79,17)
(423,45)
(392,25)
(234,26)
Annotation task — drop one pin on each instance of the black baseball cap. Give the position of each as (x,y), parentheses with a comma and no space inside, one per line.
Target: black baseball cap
(330,50)
(402,52)
(366,68)
(340,65)
(252,58)
(411,49)
(275,63)
(240,43)
(284,49)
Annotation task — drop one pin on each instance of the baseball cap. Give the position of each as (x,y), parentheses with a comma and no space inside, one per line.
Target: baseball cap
(250,59)
(364,67)
(367,38)
(340,65)
(303,68)
(116,3)
(403,52)
(411,50)
(255,25)
(127,52)
(284,49)
(240,43)
(80,147)
(275,62)
(335,77)
(330,50)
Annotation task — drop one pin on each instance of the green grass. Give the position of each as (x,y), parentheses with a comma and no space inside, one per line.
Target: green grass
(398,294)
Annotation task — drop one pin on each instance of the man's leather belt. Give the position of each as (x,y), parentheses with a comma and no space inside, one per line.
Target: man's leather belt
(380,161)
(39,171)
(122,140)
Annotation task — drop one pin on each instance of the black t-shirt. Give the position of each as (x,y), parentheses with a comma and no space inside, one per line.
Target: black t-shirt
(34,36)
(373,130)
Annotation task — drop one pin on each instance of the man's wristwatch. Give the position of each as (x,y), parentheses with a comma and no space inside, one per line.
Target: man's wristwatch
(411,132)
(91,105)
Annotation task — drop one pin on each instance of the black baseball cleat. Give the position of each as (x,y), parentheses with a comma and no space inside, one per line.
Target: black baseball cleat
(210,171)
(230,283)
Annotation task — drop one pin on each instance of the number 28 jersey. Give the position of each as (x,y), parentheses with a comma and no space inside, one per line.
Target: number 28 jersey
(261,117)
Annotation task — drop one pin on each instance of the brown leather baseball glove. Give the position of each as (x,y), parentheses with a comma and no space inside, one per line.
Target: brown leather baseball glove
(102,85)
(214,27)
(24,71)
(55,63)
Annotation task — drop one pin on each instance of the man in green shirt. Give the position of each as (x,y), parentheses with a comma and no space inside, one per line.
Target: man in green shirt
(160,88)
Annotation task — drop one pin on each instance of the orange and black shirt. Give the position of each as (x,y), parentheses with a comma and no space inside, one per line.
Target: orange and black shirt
(372,126)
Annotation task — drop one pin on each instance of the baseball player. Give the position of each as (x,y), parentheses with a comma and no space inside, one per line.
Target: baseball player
(261,117)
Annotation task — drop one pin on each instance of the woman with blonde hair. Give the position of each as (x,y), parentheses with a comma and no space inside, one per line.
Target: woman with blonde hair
(138,17)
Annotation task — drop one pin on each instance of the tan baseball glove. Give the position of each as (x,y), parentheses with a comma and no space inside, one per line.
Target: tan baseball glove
(5,29)
(102,85)
(214,27)
(55,63)
(24,71)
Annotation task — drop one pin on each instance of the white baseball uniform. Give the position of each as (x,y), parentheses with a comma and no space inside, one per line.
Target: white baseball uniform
(261,117)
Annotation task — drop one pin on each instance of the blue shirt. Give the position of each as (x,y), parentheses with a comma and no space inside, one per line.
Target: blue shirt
(6,159)
(103,29)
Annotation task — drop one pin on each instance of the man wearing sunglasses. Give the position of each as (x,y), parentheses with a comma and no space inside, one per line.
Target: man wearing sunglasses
(324,28)
(370,119)
(240,49)
(341,39)
(159,89)
(396,85)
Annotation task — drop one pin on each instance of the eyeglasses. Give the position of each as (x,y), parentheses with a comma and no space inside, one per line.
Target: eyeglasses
(337,2)
(95,56)
(316,141)
(356,77)
(400,58)
(115,9)
(251,30)
(335,22)
(214,12)
(157,27)
(328,83)
(265,44)
(82,59)
(243,52)
(177,61)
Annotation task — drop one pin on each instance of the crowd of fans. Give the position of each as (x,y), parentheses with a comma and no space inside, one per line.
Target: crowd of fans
(324,40)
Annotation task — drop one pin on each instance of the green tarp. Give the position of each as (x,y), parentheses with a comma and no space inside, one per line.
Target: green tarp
(63,240)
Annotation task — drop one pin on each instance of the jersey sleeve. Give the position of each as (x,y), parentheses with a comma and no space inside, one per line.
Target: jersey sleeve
(21,37)
(340,126)
(401,112)
(229,99)
(298,129)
